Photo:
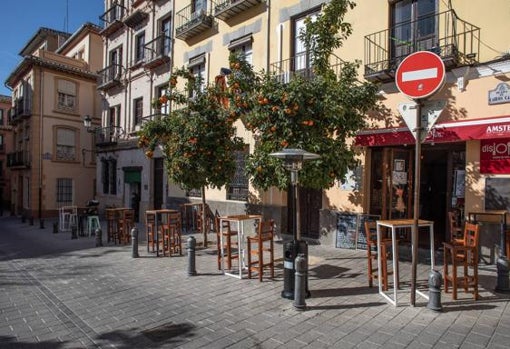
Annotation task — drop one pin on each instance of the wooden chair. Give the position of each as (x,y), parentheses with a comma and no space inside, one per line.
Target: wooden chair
(464,255)
(456,232)
(257,245)
(171,233)
(386,244)
(125,224)
(225,232)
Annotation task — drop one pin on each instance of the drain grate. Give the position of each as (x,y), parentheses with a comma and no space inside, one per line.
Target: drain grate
(167,331)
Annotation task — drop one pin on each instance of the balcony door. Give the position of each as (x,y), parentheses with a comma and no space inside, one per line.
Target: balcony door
(413,27)
(302,59)
(166,31)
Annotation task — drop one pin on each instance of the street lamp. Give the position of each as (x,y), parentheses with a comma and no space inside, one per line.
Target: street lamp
(87,122)
(293,161)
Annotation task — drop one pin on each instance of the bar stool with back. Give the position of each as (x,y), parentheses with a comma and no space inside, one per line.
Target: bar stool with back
(171,234)
(263,242)
(126,222)
(385,244)
(462,254)
(225,233)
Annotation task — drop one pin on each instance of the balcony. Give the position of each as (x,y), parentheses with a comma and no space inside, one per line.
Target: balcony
(454,40)
(135,18)
(22,109)
(110,76)
(108,136)
(190,23)
(18,160)
(226,9)
(300,65)
(113,19)
(157,51)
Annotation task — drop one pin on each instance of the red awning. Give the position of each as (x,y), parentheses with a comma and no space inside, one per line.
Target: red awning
(454,131)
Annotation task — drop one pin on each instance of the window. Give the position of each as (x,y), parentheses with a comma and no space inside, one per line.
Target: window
(2,146)
(196,66)
(162,90)
(237,189)
(139,47)
(138,110)
(413,26)
(109,176)
(2,117)
(199,7)
(66,95)
(302,60)
(166,30)
(66,145)
(64,191)
(243,46)
(115,68)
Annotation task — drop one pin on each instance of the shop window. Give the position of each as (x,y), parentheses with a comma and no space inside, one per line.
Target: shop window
(237,189)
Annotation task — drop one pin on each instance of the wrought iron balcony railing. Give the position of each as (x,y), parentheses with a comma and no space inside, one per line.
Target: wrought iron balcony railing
(226,9)
(301,65)
(157,51)
(191,22)
(18,159)
(455,40)
(22,109)
(113,19)
(109,135)
(110,76)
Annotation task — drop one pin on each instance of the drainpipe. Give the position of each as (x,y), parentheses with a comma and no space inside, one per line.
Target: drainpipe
(41,134)
(268,35)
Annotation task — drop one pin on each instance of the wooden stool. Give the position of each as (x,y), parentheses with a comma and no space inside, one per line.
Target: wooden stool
(385,244)
(150,225)
(111,226)
(126,222)
(171,233)
(225,232)
(263,242)
(462,255)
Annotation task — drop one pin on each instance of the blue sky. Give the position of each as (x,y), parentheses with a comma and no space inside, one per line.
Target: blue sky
(22,18)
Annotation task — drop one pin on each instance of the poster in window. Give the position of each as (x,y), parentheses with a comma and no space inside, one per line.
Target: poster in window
(460,179)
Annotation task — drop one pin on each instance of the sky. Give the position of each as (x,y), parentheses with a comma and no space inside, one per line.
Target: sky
(21,19)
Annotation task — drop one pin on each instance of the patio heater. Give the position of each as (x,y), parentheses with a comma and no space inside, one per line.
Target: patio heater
(293,161)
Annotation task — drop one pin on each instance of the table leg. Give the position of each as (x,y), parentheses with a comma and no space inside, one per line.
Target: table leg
(395,263)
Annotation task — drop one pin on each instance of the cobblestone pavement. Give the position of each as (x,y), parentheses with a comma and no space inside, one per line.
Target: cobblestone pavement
(58,292)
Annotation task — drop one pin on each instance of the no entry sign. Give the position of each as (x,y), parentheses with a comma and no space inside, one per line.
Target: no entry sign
(420,74)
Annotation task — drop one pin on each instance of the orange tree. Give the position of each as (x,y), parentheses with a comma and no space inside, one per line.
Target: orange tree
(197,138)
(319,113)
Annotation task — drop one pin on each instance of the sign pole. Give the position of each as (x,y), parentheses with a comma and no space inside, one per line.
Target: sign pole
(416,212)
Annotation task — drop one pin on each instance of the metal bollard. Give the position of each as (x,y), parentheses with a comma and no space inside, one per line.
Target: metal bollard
(55,227)
(191,243)
(300,279)
(99,237)
(74,232)
(41,223)
(134,242)
(435,281)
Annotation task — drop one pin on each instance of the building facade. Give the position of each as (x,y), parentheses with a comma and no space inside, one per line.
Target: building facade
(5,148)
(463,160)
(52,162)
(138,50)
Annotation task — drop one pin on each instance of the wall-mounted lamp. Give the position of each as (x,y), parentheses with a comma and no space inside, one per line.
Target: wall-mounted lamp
(87,122)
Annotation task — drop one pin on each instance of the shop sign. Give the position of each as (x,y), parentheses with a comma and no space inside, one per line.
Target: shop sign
(495,156)
(500,95)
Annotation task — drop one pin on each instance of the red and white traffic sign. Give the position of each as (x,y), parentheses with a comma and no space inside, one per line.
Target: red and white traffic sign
(420,74)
